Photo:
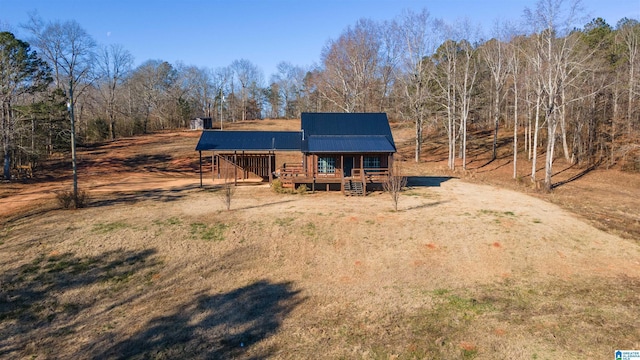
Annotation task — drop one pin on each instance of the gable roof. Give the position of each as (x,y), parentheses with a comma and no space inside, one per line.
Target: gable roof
(226,140)
(345,124)
(321,133)
(348,144)
(346,132)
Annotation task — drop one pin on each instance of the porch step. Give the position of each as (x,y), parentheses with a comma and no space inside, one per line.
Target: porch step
(287,183)
(353,188)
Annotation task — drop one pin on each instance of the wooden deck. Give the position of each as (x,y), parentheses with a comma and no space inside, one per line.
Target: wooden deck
(252,168)
(294,175)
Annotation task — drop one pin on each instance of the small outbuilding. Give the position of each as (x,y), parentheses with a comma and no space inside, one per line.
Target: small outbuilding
(350,152)
(201,123)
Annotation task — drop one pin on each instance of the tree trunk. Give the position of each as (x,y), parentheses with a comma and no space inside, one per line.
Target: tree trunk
(418,138)
(515,129)
(563,127)
(496,118)
(6,139)
(464,143)
(631,91)
(614,119)
(551,141)
(534,147)
(112,129)
(527,136)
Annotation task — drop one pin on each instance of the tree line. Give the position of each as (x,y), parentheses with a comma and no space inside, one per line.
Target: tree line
(564,88)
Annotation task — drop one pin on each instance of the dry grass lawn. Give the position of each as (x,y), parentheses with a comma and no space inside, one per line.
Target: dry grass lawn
(156,268)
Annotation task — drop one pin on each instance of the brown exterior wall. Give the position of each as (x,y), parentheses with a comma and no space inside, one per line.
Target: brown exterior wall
(311,161)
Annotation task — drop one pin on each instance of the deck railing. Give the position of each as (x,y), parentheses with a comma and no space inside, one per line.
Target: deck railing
(289,172)
(225,168)
(293,170)
(370,175)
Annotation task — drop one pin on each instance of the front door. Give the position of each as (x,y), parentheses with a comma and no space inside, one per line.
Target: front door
(347,166)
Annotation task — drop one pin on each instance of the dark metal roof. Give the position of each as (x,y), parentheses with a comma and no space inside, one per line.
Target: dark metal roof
(345,124)
(321,132)
(347,132)
(349,144)
(224,140)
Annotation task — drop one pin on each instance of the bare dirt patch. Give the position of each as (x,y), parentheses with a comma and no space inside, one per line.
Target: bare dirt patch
(156,267)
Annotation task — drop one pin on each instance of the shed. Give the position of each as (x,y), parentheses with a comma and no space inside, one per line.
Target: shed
(201,123)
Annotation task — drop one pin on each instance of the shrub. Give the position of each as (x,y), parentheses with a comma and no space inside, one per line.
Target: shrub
(66,199)
(276,185)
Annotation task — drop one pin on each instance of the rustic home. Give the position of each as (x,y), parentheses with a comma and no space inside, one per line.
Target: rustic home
(350,152)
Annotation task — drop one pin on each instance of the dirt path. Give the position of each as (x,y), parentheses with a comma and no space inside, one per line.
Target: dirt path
(456,230)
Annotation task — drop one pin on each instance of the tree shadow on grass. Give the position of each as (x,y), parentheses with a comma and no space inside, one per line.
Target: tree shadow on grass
(427,181)
(574,177)
(427,205)
(131,197)
(213,326)
(30,307)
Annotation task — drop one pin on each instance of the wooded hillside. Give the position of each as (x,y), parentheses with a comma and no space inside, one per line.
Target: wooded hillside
(564,86)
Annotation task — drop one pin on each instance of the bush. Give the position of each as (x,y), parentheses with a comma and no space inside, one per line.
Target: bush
(276,185)
(66,199)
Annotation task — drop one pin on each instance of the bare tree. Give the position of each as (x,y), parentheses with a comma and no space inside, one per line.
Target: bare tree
(226,193)
(69,50)
(630,37)
(446,69)
(395,183)
(113,64)
(420,39)
(250,78)
(552,19)
(515,64)
(495,56)
(221,83)
(469,71)
(151,85)
(350,73)
(290,81)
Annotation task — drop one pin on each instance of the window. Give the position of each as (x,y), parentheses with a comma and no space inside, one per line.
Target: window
(371,162)
(326,165)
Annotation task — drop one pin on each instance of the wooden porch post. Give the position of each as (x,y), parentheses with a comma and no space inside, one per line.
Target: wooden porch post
(213,166)
(364,184)
(313,172)
(270,172)
(200,156)
(342,173)
(235,168)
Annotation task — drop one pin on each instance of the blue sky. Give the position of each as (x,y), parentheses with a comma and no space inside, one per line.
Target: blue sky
(213,33)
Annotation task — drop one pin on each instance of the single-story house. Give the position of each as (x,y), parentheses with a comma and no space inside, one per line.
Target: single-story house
(351,152)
